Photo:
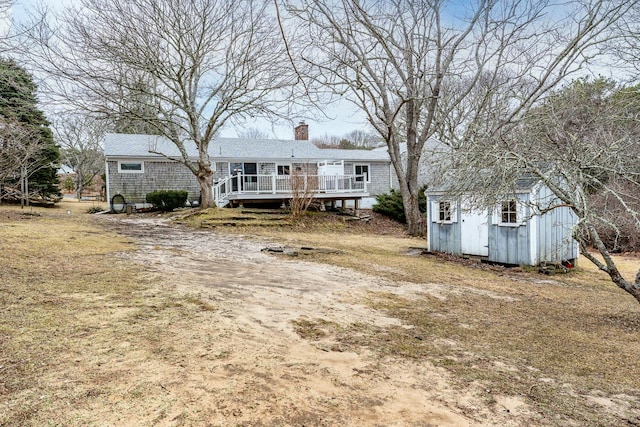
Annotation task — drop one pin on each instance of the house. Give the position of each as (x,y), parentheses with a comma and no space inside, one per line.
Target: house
(246,170)
(529,228)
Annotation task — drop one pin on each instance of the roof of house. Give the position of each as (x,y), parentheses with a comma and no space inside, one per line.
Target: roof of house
(357,155)
(140,146)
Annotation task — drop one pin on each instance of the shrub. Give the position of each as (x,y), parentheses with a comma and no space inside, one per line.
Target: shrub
(390,204)
(167,200)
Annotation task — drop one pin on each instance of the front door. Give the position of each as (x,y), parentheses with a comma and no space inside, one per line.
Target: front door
(250,182)
(236,169)
(249,172)
(474,231)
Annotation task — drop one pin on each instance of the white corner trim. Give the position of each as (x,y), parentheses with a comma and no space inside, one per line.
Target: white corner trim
(107,188)
(533,239)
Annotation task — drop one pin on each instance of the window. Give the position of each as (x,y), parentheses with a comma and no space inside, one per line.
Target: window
(362,170)
(131,167)
(444,209)
(284,169)
(509,212)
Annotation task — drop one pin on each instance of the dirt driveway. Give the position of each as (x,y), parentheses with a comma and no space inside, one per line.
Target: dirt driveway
(244,363)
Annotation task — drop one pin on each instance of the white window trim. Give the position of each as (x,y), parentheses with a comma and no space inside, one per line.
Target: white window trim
(368,165)
(520,216)
(284,164)
(435,210)
(120,162)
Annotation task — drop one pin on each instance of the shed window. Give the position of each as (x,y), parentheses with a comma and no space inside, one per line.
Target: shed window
(131,167)
(362,170)
(509,212)
(444,209)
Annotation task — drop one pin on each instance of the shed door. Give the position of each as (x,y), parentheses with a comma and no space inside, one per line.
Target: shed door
(474,231)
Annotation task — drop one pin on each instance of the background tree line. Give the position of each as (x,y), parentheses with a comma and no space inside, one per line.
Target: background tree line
(29,157)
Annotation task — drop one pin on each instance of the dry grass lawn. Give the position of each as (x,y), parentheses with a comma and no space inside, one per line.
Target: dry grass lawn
(70,304)
(74,316)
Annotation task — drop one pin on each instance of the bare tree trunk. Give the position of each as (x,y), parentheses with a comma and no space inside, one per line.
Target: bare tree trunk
(23,178)
(79,186)
(205,179)
(636,287)
(609,266)
(416,223)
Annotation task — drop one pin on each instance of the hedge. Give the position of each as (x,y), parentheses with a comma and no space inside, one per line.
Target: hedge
(167,200)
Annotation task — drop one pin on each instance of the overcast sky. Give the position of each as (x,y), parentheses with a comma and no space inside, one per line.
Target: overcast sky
(344,117)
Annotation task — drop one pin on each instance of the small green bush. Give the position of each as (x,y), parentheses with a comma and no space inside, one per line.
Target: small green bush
(390,204)
(167,200)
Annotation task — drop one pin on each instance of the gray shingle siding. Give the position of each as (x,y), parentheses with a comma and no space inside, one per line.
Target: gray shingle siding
(158,175)
(380,182)
(222,171)
(380,177)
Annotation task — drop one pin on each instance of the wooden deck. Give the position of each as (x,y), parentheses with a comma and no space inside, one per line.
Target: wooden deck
(244,188)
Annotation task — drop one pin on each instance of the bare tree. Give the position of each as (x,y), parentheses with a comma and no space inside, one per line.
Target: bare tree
(20,157)
(363,139)
(185,67)
(356,139)
(253,133)
(581,143)
(326,141)
(80,138)
(6,21)
(423,68)
(303,190)
(625,45)
(18,144)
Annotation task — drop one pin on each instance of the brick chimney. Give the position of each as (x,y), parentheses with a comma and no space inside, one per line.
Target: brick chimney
(301,132)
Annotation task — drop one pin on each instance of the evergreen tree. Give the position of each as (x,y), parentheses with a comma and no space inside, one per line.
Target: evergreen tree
(18,104)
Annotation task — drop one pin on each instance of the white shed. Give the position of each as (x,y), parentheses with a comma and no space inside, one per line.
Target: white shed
(520,230)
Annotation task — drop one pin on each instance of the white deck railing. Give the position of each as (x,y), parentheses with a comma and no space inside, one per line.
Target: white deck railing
(287,185)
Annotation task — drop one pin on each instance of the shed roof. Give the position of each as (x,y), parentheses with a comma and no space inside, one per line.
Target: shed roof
(140,146)
(522,184)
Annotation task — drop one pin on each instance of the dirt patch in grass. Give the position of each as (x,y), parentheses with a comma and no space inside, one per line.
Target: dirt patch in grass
(133,320)
(559,345)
